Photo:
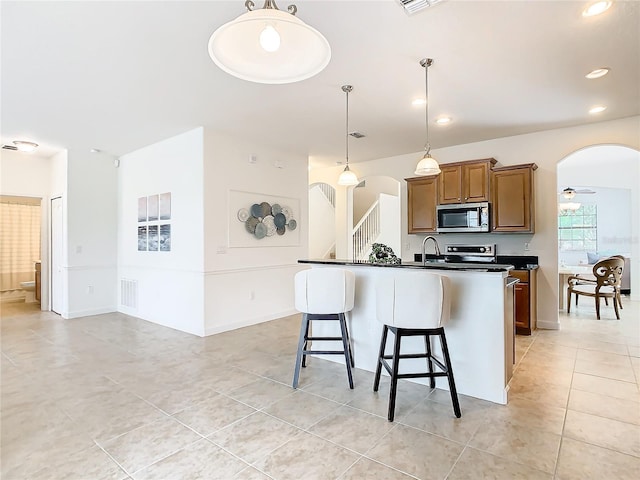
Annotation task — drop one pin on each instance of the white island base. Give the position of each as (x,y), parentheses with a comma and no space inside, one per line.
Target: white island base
(480,332)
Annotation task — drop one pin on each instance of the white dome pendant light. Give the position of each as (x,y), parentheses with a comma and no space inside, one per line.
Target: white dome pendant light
(428,165)
(268,45)
(347,178)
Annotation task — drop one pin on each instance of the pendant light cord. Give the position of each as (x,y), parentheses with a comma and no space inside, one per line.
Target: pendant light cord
(426,63)
(346,89)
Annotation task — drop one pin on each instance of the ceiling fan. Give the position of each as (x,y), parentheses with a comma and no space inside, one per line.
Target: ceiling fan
(571,192)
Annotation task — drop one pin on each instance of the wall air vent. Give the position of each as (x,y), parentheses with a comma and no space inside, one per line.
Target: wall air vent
(129,293)
(9,147)
(413,6)
(357,134)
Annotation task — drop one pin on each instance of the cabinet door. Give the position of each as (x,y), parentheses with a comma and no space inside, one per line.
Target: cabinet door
(522,320)
(512,200)
(450,185)
(475,183)
(422,198)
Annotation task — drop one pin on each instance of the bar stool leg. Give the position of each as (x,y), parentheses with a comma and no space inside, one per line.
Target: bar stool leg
(383,344)
(347,348)
(304,327)
(427,344)
(306,342)
(452,384)
(394,374)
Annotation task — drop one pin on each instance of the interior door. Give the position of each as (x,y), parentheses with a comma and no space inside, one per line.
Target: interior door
(57,256)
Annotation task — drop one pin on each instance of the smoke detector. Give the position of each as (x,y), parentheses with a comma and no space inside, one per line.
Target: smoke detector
(413,6)
(357,134)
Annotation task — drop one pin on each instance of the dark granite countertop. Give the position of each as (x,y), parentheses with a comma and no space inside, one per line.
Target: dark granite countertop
(468,267)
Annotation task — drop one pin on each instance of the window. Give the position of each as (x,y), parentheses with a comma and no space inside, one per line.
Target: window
(578,229)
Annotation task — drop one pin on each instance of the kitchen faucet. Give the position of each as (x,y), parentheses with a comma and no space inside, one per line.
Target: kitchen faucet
(424,247)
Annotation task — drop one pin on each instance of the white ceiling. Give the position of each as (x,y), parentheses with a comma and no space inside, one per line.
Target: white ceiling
(119,75)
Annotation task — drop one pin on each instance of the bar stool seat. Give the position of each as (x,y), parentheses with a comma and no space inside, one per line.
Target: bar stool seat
(324,294)
(413,304)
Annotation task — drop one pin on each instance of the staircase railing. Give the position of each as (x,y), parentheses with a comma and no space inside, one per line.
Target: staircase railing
(366,231)
(328,191)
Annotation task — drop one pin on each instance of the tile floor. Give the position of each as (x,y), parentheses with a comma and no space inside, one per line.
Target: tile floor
(115,397)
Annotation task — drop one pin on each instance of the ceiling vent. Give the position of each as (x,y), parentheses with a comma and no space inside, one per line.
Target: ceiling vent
(413,6)
(9,147)
(357,134)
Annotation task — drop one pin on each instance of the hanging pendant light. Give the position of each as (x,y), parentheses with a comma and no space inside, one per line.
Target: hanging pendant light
(268,45)
(428,165)
(347,177)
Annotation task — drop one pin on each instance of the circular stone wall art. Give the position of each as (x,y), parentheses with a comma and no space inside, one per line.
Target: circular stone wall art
(265,220)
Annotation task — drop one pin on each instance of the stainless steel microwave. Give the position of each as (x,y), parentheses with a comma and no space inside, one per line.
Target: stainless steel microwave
(463,217)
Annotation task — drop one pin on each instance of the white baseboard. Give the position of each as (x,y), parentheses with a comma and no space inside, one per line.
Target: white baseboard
(88,313)
(548,325)
(212,330)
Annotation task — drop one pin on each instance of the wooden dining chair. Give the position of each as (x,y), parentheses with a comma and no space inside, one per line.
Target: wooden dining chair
(607,274)
(589,278)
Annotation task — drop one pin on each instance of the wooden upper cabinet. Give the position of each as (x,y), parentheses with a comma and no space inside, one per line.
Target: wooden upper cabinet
(422,198)
(512,200)
(465,182)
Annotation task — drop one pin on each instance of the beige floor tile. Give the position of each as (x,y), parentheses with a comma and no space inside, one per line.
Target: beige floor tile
(524,388)
(331,386)
(251,473)
(604,432)
(307,456)
(408,395)
(579,461)
(615,408)
(606,386)
(261,393)
(530,414)
(92,463)
(302,409)
(621,372)
(254,437)
(148,444)
(366,469)
(542,375)
(474,464)
(199,461)
(439,419)
(352,428)
(175,396)
(536,448)
(547,360)
(412,451)
(608,347)
(607,358)
(634,350)
(230,379)
(213,414)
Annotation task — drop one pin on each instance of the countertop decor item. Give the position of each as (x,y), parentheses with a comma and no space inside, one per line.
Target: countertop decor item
(428,165)
(347,177)
(268,45)
(380,253)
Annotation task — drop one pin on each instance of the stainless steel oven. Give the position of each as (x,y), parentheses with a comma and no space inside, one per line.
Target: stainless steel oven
(464,217)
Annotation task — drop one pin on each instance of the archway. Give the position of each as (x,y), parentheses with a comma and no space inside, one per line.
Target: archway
(599,214)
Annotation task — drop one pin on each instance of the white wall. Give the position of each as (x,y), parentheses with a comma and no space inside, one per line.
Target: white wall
(390,224)
(92,226)
(363,197)
(248,285)
(322,224)
(29,175)
(545,149)
(170,284)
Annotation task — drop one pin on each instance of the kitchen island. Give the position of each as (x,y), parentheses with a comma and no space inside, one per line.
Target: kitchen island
(480,331)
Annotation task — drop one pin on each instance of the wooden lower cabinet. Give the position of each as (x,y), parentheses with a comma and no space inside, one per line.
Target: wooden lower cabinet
(526,298)
(422,198)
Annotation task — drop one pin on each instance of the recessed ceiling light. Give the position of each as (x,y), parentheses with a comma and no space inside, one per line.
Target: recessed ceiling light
(597,109)
(597,73)
(443,120)
(596,8)
(418,101)
(24,146)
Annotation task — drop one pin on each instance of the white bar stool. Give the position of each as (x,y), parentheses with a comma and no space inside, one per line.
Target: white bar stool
(414,304)
(324,294)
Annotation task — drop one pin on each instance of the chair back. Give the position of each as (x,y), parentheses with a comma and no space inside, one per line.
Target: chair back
(608,272)
(413,299)
(324,290)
